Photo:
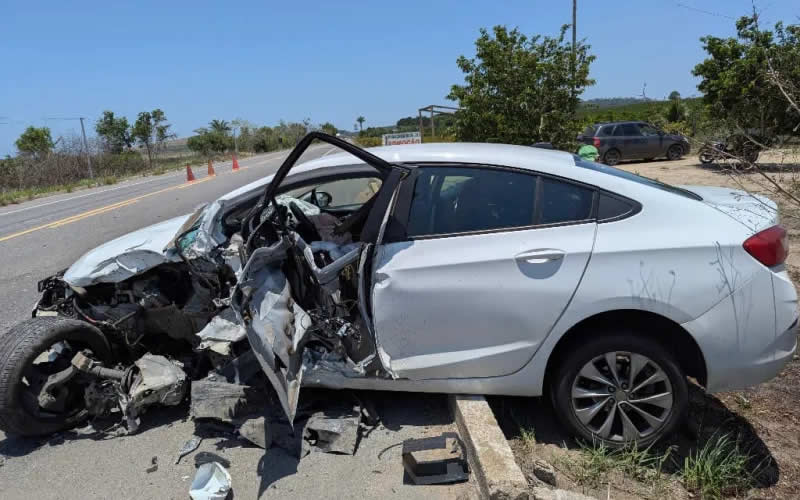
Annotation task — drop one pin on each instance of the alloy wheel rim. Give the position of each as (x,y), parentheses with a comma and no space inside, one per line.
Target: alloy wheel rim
(612,158)
(674,153)
(622,396)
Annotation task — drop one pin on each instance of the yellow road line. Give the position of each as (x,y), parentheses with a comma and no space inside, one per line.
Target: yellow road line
(101,210)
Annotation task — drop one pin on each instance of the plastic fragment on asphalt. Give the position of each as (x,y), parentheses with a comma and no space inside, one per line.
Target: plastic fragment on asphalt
(211,482)
(333,430)
(435,460)
(188,447)
(257,431)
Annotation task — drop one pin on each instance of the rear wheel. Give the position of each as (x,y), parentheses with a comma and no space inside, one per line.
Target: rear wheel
(620,388)
(674,152)
(706,156)
(40,393)
(612,157)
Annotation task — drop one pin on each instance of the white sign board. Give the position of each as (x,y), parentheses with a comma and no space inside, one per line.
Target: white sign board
(404,138)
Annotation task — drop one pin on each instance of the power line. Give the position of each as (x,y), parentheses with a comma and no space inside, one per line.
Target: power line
(703,11)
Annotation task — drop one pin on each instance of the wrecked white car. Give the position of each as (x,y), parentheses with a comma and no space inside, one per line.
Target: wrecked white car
(457,268)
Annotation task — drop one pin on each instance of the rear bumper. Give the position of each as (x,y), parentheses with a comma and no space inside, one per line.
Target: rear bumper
(749,336)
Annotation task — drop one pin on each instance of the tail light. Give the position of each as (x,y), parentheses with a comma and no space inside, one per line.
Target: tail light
(770,246)
(596,142)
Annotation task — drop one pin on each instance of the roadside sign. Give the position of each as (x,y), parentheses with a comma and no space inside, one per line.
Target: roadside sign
(404,138)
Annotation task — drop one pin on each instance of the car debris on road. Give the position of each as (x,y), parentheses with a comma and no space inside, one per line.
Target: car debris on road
(211,482)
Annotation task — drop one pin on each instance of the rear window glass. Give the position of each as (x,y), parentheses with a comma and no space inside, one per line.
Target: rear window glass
(564,202)
(611,208)
(598,167)
(605,131)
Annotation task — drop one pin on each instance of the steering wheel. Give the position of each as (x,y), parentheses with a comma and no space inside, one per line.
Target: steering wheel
(306,228)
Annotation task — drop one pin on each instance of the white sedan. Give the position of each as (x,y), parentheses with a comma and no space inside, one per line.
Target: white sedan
(463,268)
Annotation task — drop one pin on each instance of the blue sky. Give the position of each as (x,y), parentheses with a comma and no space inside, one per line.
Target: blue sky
(265,61)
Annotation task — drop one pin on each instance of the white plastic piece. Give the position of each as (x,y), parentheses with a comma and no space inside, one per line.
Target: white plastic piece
(211,482)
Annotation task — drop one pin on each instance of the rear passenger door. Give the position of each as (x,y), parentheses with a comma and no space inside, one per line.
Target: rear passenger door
(485,261)
(633,144)
(655,141)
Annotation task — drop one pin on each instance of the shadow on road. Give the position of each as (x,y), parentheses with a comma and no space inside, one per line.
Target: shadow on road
(107,428)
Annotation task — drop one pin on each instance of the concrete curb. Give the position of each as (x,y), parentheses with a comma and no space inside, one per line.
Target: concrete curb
(490,456)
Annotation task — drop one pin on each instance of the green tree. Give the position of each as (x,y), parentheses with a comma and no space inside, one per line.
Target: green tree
(675,111)
(114,132)
(209,141)
(151,131)
(35,141)
(220,126)
(361,121)
(521,90)
(674,96)
(328,128)
(740,75)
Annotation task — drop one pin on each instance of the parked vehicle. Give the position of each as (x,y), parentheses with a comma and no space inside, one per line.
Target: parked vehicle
(735,147)
(618,141)
(448,268)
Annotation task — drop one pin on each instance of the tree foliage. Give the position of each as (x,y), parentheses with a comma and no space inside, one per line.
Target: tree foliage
(736,77)
(114,132)
(150,130)
(361,121)
(674,96)
(35,141)
(328,128)
(521,90)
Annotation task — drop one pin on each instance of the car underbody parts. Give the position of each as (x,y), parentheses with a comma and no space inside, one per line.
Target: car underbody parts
(157,381)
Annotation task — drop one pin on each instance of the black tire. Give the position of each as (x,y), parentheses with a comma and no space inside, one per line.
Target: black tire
(19,347)
(674,152)
(612,157)
(623,342)
(705,156)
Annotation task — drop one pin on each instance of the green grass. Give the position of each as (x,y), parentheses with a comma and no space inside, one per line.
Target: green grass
(719,468)
(597,462)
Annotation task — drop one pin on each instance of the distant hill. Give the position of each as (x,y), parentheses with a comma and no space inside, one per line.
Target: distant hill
(610,102)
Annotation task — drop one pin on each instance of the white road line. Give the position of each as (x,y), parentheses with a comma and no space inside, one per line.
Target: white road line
(326,153)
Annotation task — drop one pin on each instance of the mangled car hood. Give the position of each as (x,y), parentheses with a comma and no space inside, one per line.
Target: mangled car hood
(126,256)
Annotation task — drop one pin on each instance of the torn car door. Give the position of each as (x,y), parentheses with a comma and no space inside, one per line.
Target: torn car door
(277,326)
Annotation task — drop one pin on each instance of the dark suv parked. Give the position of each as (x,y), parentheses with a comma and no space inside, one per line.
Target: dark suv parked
(617,141)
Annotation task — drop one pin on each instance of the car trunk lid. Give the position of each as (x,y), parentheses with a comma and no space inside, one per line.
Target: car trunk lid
(754,211)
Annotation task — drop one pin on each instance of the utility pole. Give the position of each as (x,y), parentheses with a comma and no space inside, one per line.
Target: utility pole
(574,46)
(574,25)
(86,147)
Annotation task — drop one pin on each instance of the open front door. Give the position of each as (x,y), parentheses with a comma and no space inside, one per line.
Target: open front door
(277,326)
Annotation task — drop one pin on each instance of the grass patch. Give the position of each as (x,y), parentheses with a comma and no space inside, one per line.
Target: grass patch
(719,468)
(597,463)
(109,180)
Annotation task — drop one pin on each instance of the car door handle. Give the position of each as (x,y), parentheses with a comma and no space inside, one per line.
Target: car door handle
(541,256)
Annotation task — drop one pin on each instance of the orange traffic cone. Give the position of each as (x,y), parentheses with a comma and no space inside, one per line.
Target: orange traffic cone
(235,163)
(189,174)
(211,169)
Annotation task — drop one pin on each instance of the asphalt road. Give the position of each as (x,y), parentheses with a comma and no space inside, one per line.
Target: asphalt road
(43,236)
